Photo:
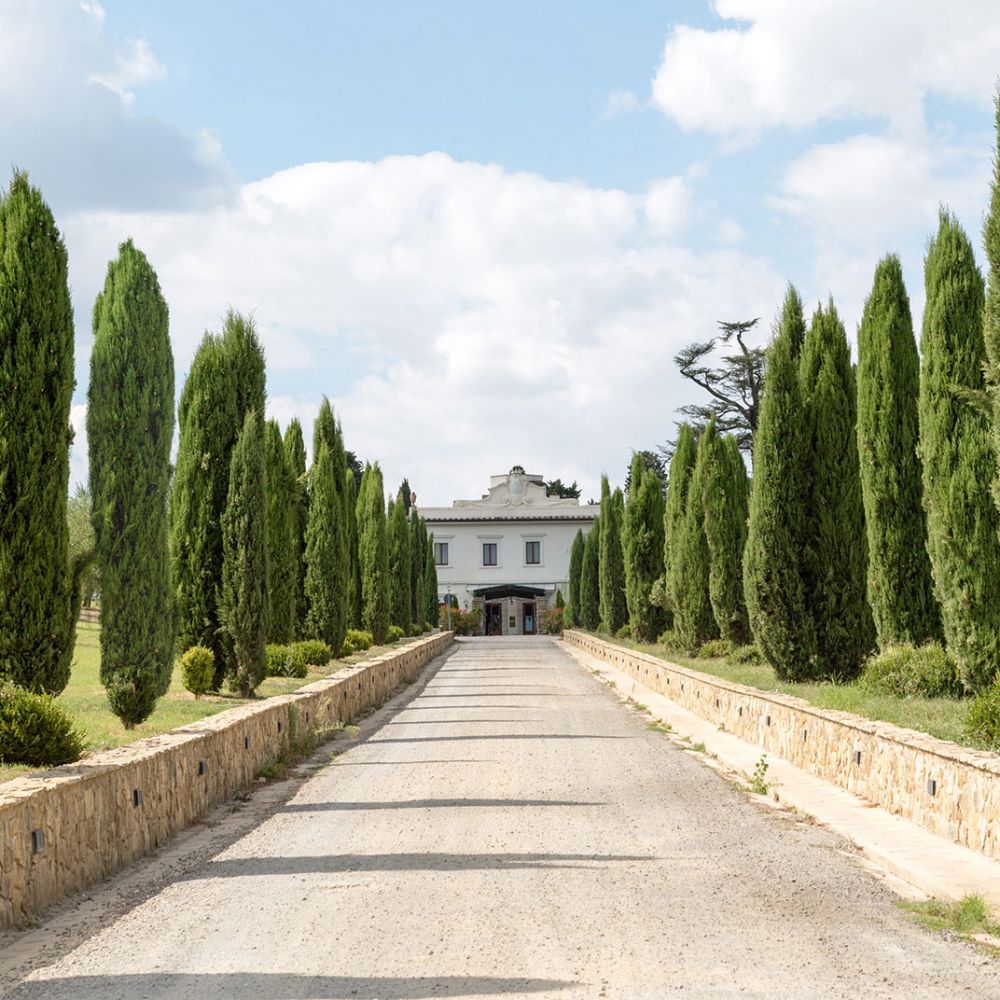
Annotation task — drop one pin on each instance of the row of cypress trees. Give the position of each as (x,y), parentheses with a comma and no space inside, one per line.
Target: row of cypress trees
(241,546)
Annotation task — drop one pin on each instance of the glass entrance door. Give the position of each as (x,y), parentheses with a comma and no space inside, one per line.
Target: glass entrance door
(529,619)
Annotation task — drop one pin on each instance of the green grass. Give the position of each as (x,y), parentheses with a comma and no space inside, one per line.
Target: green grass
(969,916)
(85,700)
(941,717)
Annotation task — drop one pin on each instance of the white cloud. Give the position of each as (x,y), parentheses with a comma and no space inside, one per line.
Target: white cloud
(78,467)
(479,317)
(789,63)
(667,206)
(66,104)
(618,103)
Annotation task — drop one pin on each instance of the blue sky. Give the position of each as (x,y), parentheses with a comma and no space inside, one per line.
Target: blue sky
(484,230)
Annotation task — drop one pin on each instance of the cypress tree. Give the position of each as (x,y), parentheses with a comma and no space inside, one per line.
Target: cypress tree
(430,587)
(281,536)
(644,551)
(417,561)
(295,458)
(614,613)
(590,579)
(678,480)
(835,550)
(326,596)
(575,576)
(399,563)
(725,498)
(353,581)
(958,458)
(226,381)
(130,427)
(991,312)
(772,573)
(694,621)
(900,589)
(39,599)
(243,603)
(373,545)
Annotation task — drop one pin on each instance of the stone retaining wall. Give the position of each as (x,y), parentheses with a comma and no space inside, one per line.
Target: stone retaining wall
(65,829)
(949,789)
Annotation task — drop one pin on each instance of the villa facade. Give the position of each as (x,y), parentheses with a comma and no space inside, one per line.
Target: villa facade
(508,552)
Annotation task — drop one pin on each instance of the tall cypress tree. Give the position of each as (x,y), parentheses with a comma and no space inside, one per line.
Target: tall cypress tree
(835,550)
(130,427)
(226,381)
(399,562)
(327,430)
(900,589)
(643,552)
(694,621)
(417,560)
(575,576)
(678,480)
(991,313)
(959,461)
(282,512)
(39,599)
(353,581)
(243,597)
(614,613)
(295,458)
(430,584)
(326,597)
(590,579)
(725,498)
(773,586)
(373,544)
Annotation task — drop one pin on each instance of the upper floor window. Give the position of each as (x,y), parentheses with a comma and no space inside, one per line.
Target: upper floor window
(440,553)
(489,553)
(533,553)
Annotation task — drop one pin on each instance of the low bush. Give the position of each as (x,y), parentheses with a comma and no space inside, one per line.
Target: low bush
(625,632)
(35,730)
(462,622)
(413,629)
(286,661)
(715,649)
(746,654)
(197,670)
(982,721)
(669,641)
(360,639)
(348,649)
(912,671)
(314,651)
(553,620)
(394,634)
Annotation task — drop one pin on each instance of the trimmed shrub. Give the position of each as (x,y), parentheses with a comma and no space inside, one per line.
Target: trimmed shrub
(348,649)
(197,670)
(671,643)
(413,629)
(462,622)
(35,730)
(746,654)
(625,632)
(359,638)
(715,648)
(982,722)
(314,651)
(285,661)
(553,620)
(912,671)
(394,634)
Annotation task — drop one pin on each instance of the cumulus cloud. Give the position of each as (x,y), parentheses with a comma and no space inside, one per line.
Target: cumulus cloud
(463,317)
(618,103)
(66,103)
(789,63)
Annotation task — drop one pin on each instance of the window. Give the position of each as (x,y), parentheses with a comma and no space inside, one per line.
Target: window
(533,553)
(489,553)
(440,553)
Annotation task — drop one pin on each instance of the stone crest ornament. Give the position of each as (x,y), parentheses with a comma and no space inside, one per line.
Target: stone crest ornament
(517,484)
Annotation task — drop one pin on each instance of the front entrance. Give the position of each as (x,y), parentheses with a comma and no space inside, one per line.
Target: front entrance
(528,617)
(494,619)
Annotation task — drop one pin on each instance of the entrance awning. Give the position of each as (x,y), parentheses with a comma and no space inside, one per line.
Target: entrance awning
(503,590)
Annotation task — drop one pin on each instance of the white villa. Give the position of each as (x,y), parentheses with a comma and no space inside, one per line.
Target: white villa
(508,552)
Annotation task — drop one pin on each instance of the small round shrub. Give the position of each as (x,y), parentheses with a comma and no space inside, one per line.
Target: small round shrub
(315,652)
(394,634)
(671,644)
(360,639)
(348,649)
(413,629)
(35,730)
(286,661)
(198,670)
(625,632)
(746,654)
(714,648)
(982,721)
(912,672)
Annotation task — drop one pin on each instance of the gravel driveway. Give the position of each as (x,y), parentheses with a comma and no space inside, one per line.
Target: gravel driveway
(516,831)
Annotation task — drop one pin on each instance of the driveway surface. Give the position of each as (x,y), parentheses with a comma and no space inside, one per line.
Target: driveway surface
(516,831)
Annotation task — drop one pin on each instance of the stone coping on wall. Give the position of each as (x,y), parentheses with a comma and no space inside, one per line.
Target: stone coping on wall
(951,790)
(65,829)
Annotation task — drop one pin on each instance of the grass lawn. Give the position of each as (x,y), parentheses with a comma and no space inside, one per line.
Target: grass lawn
(941,717)
(85,700)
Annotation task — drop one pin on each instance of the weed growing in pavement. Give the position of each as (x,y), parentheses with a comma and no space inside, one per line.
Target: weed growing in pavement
(659,727)
(697,747)
(758,780)
(968,917)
